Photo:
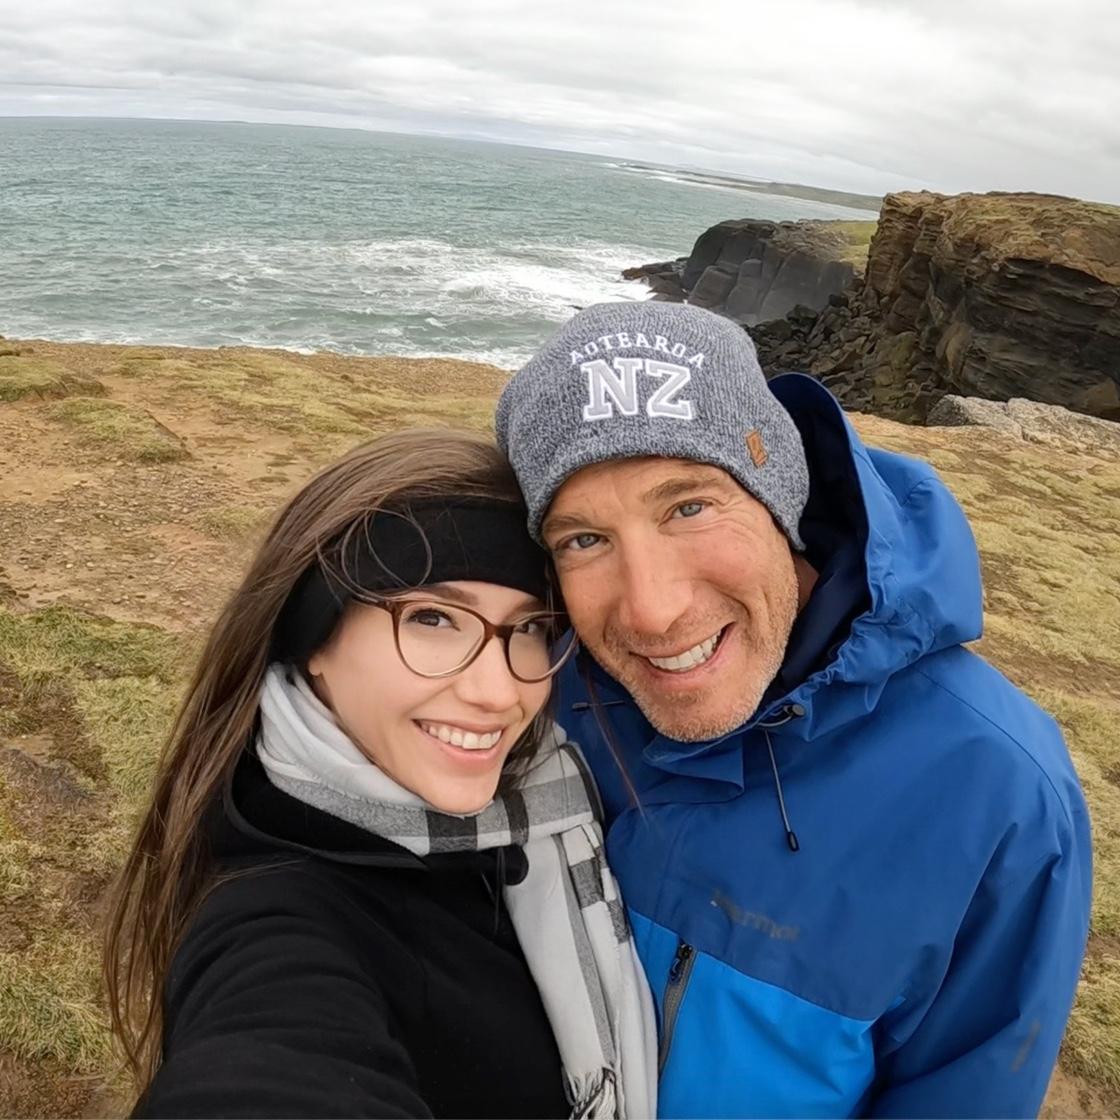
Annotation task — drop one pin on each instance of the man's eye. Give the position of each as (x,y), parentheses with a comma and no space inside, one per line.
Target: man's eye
(689,509)
(581,542)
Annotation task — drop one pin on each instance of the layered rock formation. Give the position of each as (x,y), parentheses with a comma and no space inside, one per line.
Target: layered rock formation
(994,296)
(752,270)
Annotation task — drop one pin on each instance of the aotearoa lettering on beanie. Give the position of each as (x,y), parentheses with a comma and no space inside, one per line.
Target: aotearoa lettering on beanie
(628,380)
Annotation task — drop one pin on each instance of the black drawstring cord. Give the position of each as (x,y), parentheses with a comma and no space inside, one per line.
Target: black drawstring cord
(791,836)
(499,886)
(494,890)
(793,711)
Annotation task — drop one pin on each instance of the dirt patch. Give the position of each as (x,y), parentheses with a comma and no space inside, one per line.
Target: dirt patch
(39,784)
(27,1092)
(1072,1096)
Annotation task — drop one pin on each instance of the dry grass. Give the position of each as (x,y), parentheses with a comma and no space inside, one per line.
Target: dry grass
(89,678)
(857,241)
(234,523)
(85,701)
(31,376)
(275,389)
(848,241)
(49,1005)
(120,430)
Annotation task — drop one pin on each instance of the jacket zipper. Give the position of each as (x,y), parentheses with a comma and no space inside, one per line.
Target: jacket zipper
(679,972)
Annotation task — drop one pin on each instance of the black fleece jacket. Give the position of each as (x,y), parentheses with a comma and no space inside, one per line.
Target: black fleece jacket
(333,973)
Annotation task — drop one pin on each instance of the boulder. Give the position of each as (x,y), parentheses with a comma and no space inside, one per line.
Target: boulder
(662,277)
(753,271)
(955,412)
(1070,431)
(1046,424)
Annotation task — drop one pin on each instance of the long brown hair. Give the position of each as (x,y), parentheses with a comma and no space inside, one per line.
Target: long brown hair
(168,870)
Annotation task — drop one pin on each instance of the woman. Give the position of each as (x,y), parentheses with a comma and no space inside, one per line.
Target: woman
(370,882)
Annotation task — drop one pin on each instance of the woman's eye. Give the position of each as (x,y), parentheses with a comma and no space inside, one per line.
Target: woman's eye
(532,626)
(429,617)
(689,509)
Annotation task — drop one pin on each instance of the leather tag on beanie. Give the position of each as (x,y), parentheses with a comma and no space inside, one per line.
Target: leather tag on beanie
(757,448)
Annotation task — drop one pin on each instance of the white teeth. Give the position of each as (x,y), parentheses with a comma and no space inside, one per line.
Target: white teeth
(689,659)
(468,740)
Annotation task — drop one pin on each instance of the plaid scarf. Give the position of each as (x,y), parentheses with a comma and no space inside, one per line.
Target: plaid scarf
(566,912)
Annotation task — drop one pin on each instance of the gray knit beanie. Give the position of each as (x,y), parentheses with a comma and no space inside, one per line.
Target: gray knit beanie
(626,380)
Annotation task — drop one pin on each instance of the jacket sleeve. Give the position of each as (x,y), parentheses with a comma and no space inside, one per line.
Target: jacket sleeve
(986,1043)
(268,1013)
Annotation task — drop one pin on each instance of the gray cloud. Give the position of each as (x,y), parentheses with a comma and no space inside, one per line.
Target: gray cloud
(863,94)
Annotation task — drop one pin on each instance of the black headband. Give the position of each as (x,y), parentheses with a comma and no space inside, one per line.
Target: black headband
(395,551)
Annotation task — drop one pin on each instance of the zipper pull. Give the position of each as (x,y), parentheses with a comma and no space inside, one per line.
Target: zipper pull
(675,987)
(684,954)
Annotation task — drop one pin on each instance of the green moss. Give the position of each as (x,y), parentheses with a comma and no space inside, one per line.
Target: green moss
(857,241)
(287,396)
(124,431)
(128,719)
(1092,1043)
(116,686)
(64,642)
(232,523)
(49,1005)
(27,376)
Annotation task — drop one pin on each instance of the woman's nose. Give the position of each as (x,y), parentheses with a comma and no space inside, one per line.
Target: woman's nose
(487,681)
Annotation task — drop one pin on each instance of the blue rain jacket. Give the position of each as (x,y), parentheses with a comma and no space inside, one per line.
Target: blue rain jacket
(917,954)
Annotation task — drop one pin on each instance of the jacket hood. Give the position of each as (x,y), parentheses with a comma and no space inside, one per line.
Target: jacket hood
(921,569)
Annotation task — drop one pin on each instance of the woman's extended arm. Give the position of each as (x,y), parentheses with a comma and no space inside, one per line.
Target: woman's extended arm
(268,1012)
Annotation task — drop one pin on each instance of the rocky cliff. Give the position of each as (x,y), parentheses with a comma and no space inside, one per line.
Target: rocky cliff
(994,296)
(752,270)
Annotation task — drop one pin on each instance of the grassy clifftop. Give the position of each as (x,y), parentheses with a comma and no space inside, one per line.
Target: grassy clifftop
(133,483)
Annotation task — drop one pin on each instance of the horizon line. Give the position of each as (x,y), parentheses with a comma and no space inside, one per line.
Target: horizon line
(438,135)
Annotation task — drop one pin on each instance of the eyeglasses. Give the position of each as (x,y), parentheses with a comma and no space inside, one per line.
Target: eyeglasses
(438,639)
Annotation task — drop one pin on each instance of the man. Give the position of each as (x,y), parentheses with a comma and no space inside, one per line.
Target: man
(856,858)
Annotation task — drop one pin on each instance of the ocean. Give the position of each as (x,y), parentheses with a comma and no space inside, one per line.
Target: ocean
(214,234)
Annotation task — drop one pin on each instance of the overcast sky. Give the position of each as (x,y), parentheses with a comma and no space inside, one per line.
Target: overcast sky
(868,95)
